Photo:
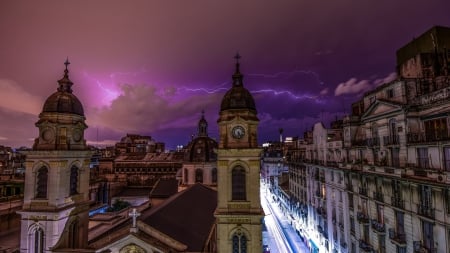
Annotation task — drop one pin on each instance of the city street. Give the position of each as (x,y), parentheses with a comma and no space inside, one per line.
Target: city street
(280,235)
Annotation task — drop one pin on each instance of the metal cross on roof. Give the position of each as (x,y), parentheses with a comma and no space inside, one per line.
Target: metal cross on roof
(134,214)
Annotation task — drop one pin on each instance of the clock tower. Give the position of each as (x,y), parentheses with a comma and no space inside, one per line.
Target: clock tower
(56,198)
(238,213)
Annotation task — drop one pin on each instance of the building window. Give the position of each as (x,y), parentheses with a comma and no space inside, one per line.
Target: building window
(390,93)
(427,236)
(73,180)
(422,158)
(401,249)
(199,176)
(73,235)
(447,158)
(41,183)
(238,183)
(436,129)
(239,243)
(214,175)
(39,240)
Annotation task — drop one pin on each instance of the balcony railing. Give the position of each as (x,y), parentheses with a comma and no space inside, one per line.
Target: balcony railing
(391,140)
(332,164)
(349,187)
(378,227)
(397,202)
(374,141)
(430,137)
(363,191)
(425,211)
(397,238)
(378,196)
(362,218)
(321,211)
(359,142)
(365,246)
(418,247)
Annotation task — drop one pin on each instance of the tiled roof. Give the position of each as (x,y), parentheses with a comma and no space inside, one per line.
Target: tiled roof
(187,217)
(164,188)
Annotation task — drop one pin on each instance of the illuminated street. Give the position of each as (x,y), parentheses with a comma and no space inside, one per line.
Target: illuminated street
(280,235)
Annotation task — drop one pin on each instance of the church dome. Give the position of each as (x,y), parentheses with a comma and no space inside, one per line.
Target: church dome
(238,97)
(63,101)
(202,148)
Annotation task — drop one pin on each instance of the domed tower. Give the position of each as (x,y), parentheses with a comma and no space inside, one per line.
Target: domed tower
(56,197)
(201,158)
(238,212)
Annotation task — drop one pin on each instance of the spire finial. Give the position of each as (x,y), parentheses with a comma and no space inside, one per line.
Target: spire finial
(65,83)
(237,77)
(237,57)
(66,71)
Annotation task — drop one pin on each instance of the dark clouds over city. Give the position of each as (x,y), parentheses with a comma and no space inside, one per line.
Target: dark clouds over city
(151,67)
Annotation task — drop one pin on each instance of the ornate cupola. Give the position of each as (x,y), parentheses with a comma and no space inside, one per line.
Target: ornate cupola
(62,122)
(237,118)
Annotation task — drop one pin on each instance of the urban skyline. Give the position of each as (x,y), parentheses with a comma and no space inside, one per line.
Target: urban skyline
(134,61)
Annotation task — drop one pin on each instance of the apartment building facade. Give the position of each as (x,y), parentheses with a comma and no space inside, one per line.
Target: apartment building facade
(379,181)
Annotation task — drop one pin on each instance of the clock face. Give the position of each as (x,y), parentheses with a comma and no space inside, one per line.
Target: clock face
(238,132)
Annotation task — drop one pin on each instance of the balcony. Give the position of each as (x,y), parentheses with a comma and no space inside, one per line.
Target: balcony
(378,196)
(322,211)
(397,202)
(425,211)
(413,138)
(333,164)
(362,218)
(363,191)
(391,140)
(418,247)
(378,227)
(349,187)
(365,246)
(396,238)
(359,143)
(373,142)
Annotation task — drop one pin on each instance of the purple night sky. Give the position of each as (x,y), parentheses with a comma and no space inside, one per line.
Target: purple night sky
(151,67)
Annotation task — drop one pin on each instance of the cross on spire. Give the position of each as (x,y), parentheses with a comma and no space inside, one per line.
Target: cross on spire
(237,57)
(67,62)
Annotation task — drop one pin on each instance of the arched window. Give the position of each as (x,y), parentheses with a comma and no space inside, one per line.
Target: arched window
(73,180)
(199,176)
(238,183)
(73,235)
(214,175)
(239,243)
(38,240)
(41,183)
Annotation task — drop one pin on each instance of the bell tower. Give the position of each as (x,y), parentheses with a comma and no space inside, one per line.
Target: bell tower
(239,212)
(56,198)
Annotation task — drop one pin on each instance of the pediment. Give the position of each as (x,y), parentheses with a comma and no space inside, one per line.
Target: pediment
(381,109)
(129,243)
